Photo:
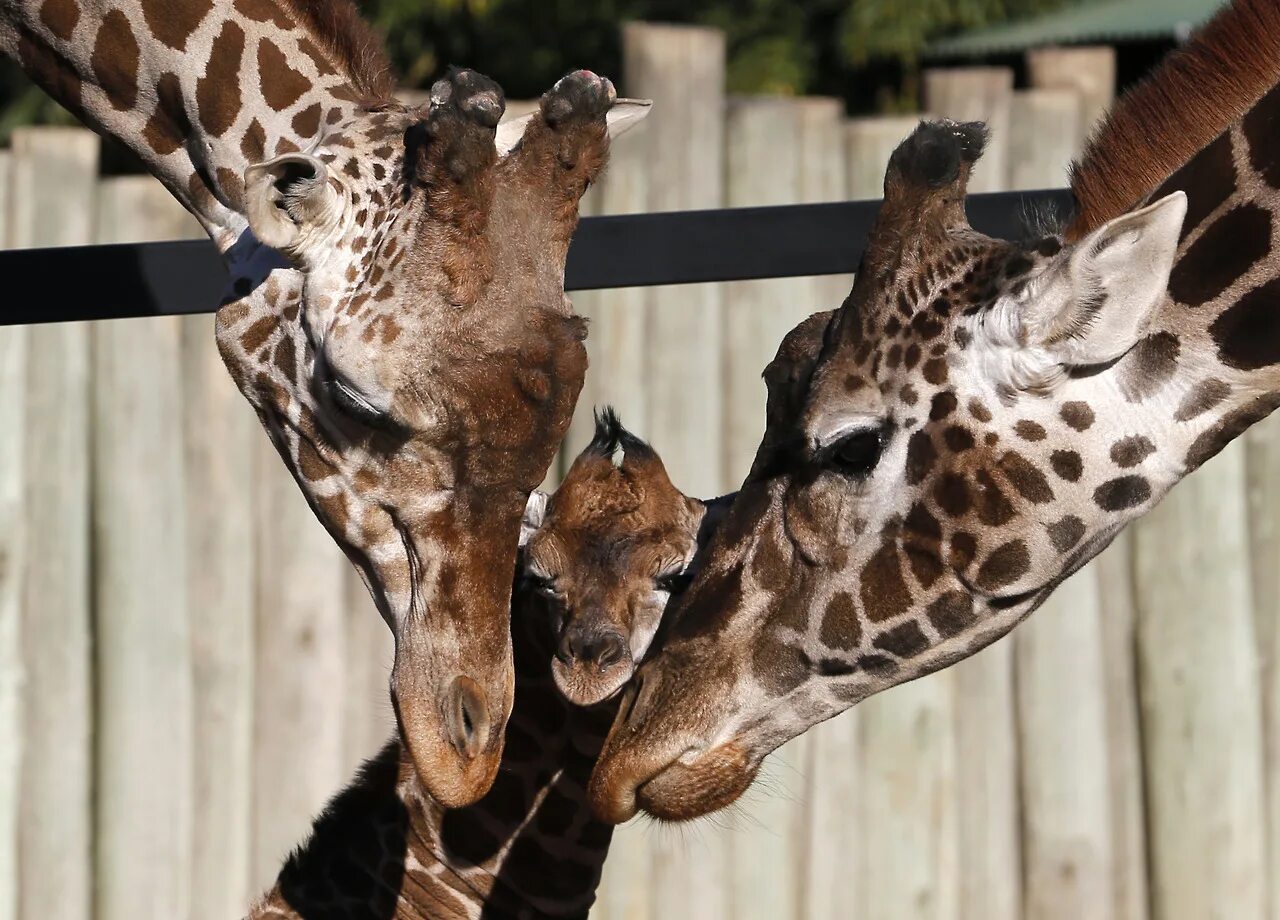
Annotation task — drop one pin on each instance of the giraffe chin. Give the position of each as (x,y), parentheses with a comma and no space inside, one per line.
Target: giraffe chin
(678,791)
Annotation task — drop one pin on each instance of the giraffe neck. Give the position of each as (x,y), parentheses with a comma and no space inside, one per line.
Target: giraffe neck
(529,848)
(198,89)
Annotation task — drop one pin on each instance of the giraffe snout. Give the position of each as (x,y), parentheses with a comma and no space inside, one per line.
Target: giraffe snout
(467,720)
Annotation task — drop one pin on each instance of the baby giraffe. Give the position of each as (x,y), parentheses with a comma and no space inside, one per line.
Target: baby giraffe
(603,555)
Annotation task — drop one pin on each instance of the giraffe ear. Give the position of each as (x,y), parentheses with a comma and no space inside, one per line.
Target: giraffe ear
(1096,302)
(535,512)
(287,197)
(625,115)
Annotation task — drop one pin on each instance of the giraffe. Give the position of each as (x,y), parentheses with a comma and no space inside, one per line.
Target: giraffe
(606,593)
(396,313)
(531,847)
(978,420)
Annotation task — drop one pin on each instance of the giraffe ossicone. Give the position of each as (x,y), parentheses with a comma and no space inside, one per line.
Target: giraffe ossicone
(396,317)
(977,421)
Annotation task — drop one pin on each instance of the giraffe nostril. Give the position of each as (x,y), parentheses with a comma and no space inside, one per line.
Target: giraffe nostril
(611,649)
(602,649)
(467,717)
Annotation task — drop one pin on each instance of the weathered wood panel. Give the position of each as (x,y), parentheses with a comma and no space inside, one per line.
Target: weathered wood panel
(1201,699)
(1090,71)
(142,629)
(682,69)
(1044,129)
(56,171)
(13,384)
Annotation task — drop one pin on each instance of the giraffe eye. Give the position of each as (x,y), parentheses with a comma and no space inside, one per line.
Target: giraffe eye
(673,582)
(856,454)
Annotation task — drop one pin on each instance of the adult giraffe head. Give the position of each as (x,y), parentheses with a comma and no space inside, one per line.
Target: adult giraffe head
(420,372)
(977,421)
(605,554)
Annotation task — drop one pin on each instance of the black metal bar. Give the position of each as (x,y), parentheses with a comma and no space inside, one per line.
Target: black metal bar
(634,250)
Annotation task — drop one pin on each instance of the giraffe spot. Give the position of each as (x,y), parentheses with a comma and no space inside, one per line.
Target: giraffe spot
(777,666)
(334,507)
(286,358)
(1221,256)
(168,127)
(264,11)
(281,85)
(218,91)
(334,116)
(1149,366)
(1122,492)
(1248,332)
(254,143)
(884,592)
(1208,179)
(1259,129)
(284,145)
(877,665)
(895,356)
(1006,564)
(905,641)
(323,67)
(908,395)
(1067,464)
(257,334)
(1029,430)
(964,549)
(1129,452)
(173,23)
(310,464)
(1231,426)
(840,628)
(994,508)
(935,371)
(1026,478)
(115,60)
(951,492)
(1066,533)
(1077,415)
(922,545)
(921,456)
(979,411)
(1204,396)
(232,187)
(306,123)
(60,17)
(943,405)
(958,439)
(951,614)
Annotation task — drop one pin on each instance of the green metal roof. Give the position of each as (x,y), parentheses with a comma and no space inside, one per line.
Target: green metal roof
(1092,21)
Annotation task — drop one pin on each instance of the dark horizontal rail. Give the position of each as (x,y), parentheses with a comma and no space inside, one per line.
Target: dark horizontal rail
(633,250)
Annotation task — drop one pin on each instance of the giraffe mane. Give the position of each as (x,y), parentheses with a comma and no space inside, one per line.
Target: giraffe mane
(351,44)
(1163,121)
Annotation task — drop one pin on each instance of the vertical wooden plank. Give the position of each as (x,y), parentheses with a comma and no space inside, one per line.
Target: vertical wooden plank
(1044,128)
(13,384)
(1063,737)
(368,720)
(220,431)
(682,69)
(619,319)
(300,673)
(829,761)
(977,94)
(54,179)
(762,168)
(143,778)
(1113,570)
(616,348)
(1263,471)
(1201,701)
(1089,71)
(907,851)
(986,758)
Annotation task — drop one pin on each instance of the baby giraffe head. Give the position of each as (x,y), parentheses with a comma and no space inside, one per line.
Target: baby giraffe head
(605,554)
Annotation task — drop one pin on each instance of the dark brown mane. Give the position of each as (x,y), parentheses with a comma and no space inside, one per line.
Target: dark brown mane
(349,43)
(1191,98)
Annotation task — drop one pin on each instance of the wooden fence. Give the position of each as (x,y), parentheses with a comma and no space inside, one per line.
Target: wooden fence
(188,668)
